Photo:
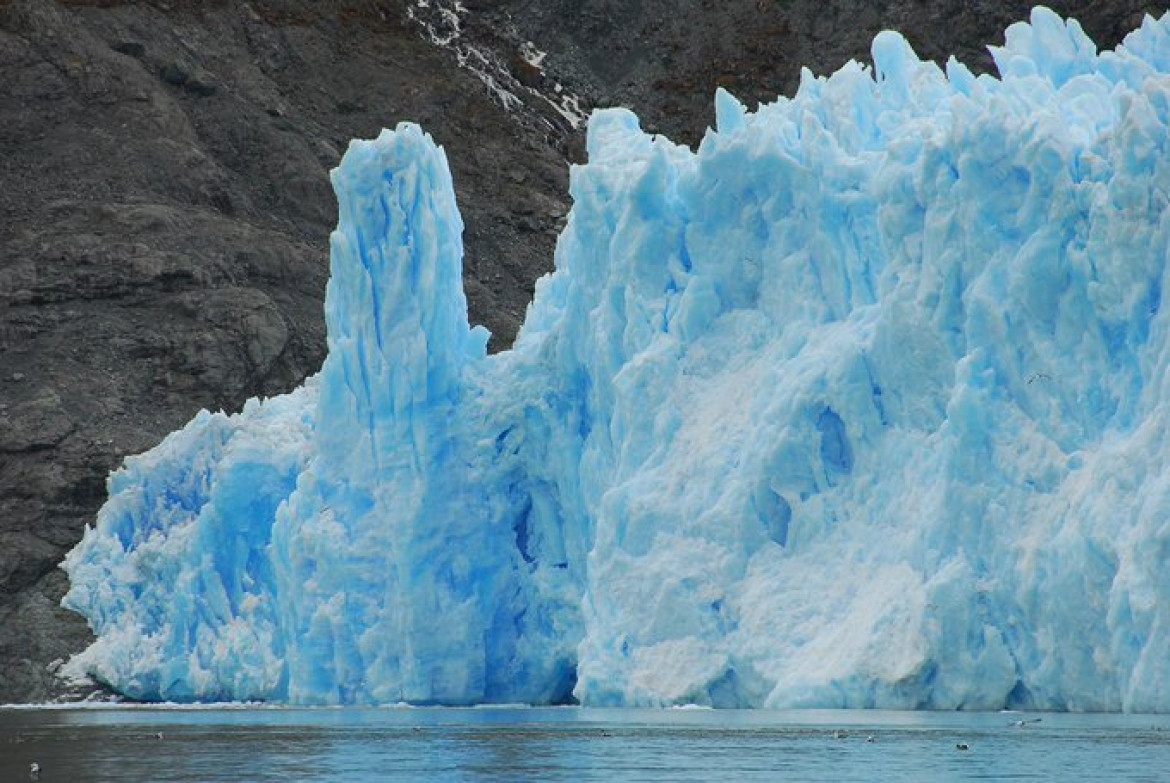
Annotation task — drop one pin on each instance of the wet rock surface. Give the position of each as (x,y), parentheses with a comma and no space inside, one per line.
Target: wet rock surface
(166,205)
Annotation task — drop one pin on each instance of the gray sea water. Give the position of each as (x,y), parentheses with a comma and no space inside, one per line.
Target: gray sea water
(570,744)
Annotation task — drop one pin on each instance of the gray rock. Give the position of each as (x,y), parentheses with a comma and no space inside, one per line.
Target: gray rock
(129,48)
(175,73)
(200,82)
(38,421)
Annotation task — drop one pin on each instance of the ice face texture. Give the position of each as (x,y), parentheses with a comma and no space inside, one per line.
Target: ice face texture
(865,403)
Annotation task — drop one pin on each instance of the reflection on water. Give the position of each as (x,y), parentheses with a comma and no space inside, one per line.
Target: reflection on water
(518,744)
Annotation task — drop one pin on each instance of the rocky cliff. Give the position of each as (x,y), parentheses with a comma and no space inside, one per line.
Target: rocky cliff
(166,203)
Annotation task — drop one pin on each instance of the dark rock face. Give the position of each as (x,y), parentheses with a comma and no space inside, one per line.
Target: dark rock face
(166,206)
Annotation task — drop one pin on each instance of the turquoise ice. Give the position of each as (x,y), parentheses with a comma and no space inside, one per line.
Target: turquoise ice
(864,403)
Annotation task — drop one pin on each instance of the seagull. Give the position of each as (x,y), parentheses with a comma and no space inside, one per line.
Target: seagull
(1019,724)
(34,771)
(1038,376)
(870,738)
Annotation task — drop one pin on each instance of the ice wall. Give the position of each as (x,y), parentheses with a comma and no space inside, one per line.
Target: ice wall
(864,403)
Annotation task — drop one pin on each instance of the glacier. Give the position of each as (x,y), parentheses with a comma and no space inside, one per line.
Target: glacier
(863,403)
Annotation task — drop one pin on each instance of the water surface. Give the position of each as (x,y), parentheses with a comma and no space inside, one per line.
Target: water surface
(571,744)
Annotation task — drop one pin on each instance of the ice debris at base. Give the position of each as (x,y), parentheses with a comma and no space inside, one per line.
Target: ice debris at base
(865,403)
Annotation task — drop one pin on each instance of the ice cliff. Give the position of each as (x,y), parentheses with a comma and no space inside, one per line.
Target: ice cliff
(866,403)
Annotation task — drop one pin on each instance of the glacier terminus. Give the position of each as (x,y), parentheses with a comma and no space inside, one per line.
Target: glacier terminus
(863,403)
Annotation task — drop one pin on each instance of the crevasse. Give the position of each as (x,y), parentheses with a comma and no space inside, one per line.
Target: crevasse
(862,404)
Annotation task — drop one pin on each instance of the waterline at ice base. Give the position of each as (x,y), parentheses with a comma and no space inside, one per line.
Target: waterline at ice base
(864,403)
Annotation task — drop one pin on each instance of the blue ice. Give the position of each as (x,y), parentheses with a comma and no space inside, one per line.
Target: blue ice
(864,403)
